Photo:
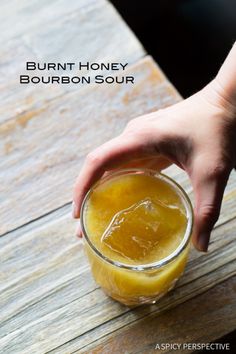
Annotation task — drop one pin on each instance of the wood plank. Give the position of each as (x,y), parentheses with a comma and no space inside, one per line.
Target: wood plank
(41,151)
(18,18)
(46,289)
(49,299)
(70,37)
(199,320)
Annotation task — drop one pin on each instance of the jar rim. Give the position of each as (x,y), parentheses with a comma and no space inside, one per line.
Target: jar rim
(164,261)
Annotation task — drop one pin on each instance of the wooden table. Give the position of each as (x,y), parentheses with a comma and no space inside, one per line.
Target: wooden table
(49,301)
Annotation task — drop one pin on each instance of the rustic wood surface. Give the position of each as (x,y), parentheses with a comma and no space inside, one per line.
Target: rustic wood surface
(48,299)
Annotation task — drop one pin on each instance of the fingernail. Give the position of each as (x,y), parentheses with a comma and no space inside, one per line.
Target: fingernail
(203,241)
(75,210)
(78,231)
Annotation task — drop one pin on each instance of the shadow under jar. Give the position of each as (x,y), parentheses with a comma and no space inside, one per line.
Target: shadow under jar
(137,226)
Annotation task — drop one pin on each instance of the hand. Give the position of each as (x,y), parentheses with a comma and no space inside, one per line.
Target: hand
(197,134)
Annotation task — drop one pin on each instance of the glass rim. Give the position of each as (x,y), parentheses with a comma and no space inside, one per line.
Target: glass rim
(162,262)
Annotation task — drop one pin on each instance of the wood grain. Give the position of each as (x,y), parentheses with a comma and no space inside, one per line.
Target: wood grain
(47,291)
(48,299)
(58,33)
(196,321)
(41,150)
(19,18)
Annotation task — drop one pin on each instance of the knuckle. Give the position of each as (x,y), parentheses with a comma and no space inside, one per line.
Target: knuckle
(218,170)
(209,214)
(92,158)
(133,123)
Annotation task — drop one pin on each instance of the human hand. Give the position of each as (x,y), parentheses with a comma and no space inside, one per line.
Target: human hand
(197,134)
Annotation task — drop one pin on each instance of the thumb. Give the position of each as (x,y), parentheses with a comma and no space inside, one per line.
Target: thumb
(208,190)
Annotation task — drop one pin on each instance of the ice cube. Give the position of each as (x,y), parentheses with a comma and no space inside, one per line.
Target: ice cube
(134,232)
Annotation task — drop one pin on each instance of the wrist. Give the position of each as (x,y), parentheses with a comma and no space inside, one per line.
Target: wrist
(218,96)
(226,77)
(222,90)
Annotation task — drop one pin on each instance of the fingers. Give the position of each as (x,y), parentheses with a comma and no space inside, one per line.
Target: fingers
(157,162)
(78,231)
(208,188)
(114,153)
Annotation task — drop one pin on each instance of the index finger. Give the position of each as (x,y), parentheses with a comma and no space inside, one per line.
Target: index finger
(109,155)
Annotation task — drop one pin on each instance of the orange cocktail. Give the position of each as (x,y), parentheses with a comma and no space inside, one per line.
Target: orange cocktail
(137,226)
